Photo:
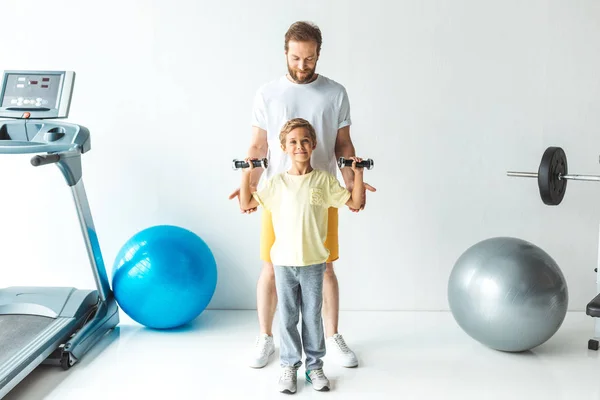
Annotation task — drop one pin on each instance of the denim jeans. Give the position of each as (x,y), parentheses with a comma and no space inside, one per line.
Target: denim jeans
(300,289)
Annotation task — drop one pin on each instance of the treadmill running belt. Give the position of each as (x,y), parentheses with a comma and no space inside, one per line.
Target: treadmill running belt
(18,330)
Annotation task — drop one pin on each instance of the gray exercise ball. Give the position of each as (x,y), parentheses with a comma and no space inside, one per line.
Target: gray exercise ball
(508,294)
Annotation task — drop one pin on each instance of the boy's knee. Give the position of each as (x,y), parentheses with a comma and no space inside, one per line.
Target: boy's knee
(291,322)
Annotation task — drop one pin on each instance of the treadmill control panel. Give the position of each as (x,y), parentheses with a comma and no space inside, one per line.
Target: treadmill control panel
(36,94)
(30,99)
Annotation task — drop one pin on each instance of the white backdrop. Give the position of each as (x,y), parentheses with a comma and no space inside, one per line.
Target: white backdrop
(445,96)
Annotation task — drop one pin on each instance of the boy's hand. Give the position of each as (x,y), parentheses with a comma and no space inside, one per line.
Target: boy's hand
(354,167)
(366,186)
(250,165)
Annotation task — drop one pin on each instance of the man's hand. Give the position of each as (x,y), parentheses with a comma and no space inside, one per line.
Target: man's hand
(364,196)
(236,193)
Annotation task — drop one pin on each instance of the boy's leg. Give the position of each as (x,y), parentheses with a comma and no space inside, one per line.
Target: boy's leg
(266,297)
(313,337)
(338,349)
(288,295)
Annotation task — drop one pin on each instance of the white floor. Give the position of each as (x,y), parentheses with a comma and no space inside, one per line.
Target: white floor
(402,355)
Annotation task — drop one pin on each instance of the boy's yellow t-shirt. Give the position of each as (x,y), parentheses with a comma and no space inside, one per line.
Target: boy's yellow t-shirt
(299,205)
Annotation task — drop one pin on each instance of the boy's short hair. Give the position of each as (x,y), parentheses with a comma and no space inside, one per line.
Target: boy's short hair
(297,123)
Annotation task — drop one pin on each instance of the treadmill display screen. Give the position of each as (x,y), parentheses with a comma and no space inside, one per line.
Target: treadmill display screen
(31,91)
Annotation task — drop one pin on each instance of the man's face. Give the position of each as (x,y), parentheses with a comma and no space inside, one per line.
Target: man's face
(302,60)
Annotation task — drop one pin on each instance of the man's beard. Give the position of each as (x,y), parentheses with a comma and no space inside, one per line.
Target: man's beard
(294,75)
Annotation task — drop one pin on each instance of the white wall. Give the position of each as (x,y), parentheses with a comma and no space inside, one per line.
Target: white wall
(446,97)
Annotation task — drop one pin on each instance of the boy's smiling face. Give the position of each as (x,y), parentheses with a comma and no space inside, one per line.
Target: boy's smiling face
(299,145)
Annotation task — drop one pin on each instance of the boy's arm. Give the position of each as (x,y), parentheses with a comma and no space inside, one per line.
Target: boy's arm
(356,196)
(258,149)
(247,201)
(345,148)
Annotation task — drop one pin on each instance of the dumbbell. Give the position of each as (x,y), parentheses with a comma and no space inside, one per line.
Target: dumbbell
(346,162)
(239,164)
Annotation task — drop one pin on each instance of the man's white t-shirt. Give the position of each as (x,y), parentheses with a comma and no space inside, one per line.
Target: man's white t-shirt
(324,103)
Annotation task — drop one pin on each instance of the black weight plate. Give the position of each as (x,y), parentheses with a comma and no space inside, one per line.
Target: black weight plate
(553,164)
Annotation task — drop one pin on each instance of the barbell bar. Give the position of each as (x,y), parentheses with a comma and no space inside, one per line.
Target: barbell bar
(595,178)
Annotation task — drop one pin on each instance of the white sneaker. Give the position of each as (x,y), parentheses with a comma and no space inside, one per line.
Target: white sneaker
(263,350)
(288,380)
(340,352)
(318,379)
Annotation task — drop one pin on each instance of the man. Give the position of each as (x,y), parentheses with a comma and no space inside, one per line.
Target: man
(302,93)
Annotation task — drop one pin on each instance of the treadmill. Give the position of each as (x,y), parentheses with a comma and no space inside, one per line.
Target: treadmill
(50,325)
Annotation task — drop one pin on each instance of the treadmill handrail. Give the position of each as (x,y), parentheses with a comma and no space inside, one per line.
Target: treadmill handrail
(23,147)
(27,309)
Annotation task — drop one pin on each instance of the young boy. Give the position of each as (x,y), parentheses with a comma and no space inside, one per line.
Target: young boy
(299,200)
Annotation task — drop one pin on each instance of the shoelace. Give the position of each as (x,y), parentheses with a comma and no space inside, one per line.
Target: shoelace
(319,373)
(341,343)
(289,374)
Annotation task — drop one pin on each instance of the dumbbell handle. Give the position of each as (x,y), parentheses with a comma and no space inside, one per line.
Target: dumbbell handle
(238,164)
(345,162)
(568,176)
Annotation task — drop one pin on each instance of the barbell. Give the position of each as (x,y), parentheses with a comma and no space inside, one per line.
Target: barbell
(552,176)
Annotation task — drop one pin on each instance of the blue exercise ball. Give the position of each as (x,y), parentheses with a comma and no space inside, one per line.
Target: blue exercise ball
(508,294)
(164,276)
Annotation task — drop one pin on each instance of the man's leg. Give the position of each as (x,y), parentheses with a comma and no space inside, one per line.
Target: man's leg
(266,297)
(331,291)
(331,301)
(336,345)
